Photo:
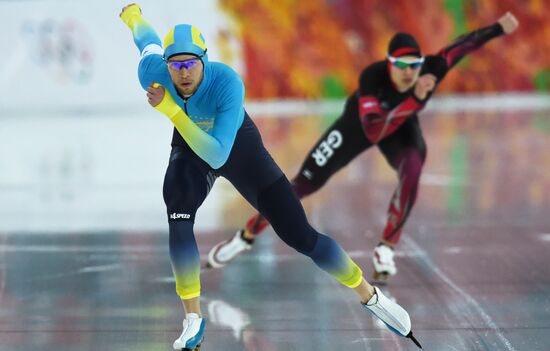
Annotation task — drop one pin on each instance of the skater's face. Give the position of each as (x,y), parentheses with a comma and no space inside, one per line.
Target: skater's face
(404,71)
(186,72)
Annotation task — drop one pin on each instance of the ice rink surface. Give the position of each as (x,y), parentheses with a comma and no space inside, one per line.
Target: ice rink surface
(473,262)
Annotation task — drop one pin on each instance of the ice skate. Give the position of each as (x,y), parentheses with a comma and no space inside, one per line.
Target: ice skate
(223,314)
(383,263)
(378,322)
(393,315)
(192,335)
(225,251)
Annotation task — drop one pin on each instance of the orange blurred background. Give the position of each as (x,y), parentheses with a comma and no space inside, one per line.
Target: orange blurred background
(317,48)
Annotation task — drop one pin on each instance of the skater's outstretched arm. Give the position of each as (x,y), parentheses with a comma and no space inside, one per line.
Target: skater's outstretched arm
(144,35)
(151,65)
(467,43)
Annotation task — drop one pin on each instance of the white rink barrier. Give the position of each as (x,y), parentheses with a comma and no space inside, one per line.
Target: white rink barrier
(104,171)
(439,103)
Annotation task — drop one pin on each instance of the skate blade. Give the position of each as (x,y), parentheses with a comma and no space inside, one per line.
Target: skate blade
(410,336)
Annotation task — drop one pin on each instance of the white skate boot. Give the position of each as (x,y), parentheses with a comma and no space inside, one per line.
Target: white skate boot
(223,314)
(379,323)
(384,266)
(227,250)
(394,316)
(192,335)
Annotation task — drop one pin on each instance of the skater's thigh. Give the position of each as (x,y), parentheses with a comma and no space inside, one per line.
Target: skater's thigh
(408,138)
(250,167)
(186,184)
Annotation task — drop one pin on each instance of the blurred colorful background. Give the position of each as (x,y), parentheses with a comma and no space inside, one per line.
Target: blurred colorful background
(80,148)
(316,48)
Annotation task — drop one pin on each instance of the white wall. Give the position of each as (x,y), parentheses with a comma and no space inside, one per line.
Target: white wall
(97,173)
(78,55)
(80,149)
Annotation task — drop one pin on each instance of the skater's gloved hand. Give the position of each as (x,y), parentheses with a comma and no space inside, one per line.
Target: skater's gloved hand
(424,85)
(162,100)
(508,22)
(129,13)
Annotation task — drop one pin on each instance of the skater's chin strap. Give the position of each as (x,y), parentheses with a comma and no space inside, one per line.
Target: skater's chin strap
(410,336)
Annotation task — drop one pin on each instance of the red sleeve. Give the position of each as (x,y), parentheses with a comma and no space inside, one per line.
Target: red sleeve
(468,43)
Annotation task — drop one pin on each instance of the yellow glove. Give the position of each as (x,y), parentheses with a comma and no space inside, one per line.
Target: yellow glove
(168,106)
(130,13)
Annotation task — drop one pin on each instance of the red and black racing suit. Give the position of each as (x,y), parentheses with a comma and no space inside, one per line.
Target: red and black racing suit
(378,114)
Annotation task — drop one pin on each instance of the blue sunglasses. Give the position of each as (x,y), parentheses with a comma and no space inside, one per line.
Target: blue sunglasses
(403,64)
(187,64)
